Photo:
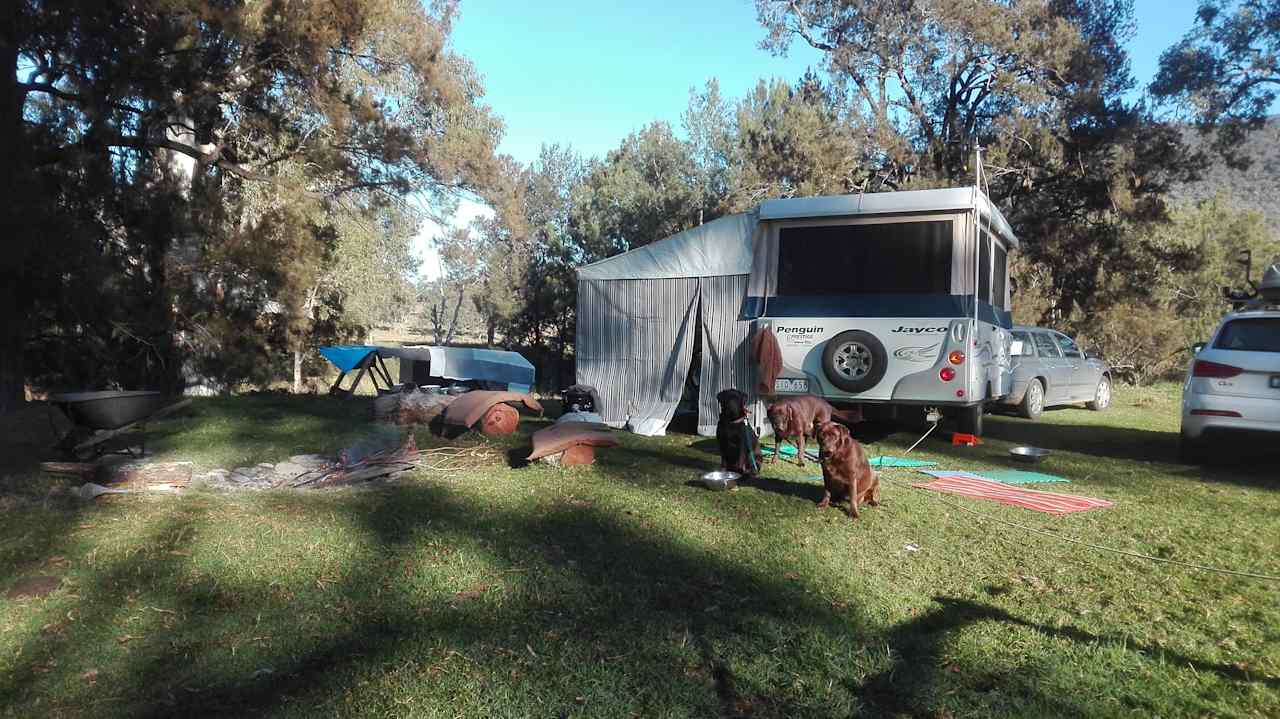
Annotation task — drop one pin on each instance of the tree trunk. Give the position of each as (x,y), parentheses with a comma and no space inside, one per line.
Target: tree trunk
(14,302)
(493,327)
(13,336)
(457,309)
(297,371)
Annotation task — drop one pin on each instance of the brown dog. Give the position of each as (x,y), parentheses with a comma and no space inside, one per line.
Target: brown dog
(795,418)
(845,469)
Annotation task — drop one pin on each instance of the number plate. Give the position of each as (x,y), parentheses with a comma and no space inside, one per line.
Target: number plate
(790,385)
(1275,381)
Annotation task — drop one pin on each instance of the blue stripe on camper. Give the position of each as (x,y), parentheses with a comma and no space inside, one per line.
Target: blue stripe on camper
(876,306)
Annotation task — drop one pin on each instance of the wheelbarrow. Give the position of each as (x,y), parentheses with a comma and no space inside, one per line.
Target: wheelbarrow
(101,416)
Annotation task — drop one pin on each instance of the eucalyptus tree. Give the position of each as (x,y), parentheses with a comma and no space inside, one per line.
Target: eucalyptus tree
(174,107)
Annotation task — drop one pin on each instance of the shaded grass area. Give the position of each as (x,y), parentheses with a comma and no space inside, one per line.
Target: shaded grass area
(620,590)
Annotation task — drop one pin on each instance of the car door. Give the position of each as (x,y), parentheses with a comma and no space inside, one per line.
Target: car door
(1080,378)
(1053,367)
(1022,358)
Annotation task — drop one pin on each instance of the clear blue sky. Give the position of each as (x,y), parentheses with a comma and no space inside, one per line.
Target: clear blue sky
(588,73)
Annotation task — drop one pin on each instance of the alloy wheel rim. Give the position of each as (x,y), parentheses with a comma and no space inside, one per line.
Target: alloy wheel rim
(1037,399)
(1104,393)
(853,360)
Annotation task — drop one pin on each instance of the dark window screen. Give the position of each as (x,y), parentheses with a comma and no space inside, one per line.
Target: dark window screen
(891,258)
(1000,277)
(1045,345)
(1256,334)
(1028,349)
(1068,346)
(984,268)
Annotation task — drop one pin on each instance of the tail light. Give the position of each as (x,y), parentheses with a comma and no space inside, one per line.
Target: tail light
(1205,368)
(956,357)
(946,374)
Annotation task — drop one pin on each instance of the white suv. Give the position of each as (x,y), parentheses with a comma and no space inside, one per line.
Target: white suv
(1233,384)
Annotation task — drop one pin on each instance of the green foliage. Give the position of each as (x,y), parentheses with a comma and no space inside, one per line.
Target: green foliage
(1225,72)
(1147,333)
(1039,85)
(792,142)
(240,170)
(648,188)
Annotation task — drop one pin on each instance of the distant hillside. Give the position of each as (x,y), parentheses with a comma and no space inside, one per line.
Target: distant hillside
(1255,188)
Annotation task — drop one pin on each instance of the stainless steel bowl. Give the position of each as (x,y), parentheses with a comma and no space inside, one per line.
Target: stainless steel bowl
(720,479)
(1029,454)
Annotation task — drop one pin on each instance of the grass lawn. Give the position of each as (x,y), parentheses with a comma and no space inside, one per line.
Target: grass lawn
(621,590)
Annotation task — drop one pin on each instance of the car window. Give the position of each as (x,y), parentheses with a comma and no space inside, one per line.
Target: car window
(1028,347)
(1069,347)
(1255,334)
(1045,345)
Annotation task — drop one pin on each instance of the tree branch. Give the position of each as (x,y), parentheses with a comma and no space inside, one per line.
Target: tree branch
(802,29)
(52,91)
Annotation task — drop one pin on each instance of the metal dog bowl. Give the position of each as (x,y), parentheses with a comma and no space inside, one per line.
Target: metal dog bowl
(720,479)
(1029,454)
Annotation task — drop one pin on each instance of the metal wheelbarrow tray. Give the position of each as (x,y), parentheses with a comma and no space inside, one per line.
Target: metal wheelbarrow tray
(100,416)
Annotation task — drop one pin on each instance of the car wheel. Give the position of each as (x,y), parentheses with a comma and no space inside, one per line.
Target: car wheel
(1032,400)
(854,361)
(969,420)
(1101,396)
(1190,451)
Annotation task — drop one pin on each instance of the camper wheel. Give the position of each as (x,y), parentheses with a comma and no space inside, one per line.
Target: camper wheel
(854,361)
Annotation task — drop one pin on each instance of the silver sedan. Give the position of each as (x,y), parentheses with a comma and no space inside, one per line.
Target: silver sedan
(1049,369)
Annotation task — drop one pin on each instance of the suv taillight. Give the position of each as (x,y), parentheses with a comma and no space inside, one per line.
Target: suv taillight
(1204,368)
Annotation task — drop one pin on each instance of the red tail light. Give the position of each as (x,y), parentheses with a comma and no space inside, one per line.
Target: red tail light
(1204,368)
(947,374)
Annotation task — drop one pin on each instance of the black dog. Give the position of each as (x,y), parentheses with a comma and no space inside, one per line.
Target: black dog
(739,445)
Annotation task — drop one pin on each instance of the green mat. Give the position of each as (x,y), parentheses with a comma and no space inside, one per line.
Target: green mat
(888,460)
(790,451)
(883,461)
(1018,476)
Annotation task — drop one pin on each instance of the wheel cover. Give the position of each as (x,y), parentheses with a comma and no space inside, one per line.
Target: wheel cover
(1036,403)
(853,360)
(1104,393)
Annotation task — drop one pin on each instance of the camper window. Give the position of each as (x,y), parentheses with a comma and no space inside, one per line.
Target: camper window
(984,267)
(1001,267)
(864,259)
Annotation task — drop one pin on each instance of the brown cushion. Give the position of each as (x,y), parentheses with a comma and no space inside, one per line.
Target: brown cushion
(468,408)
(578,455)
(499,419)
(559,437)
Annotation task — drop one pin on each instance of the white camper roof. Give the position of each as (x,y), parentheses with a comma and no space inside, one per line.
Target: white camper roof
(718,248)
(880,203)
(724,246)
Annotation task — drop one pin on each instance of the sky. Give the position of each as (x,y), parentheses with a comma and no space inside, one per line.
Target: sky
(588,73)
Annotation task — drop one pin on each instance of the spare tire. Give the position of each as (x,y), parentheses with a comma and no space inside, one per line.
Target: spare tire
(854,361)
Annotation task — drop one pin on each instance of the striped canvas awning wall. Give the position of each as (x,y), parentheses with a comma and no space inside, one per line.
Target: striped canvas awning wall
(635,342)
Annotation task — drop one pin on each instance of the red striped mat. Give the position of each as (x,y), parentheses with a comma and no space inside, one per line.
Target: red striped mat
(1034,499)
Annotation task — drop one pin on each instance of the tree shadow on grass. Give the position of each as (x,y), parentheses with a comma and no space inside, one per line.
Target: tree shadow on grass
(573,600)
(618,592)
(798,489)
(903,689)
(1122,443)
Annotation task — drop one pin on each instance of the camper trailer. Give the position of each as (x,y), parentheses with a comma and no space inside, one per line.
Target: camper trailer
(893,301)
(897,298)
